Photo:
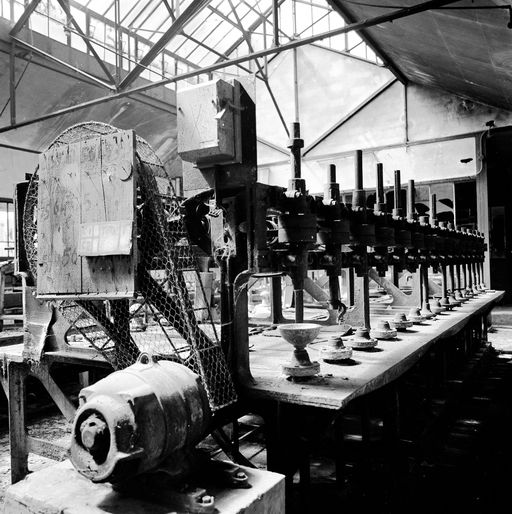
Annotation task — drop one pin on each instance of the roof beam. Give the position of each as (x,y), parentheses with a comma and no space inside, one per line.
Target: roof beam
(67,10)
(348,116)
(173,30)
(65,64)
(347,16)
(385,18)
(252,28)
(31,7)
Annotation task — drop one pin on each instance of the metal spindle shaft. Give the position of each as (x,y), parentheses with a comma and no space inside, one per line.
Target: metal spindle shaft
(411,201)
(332,173)
(444,288)
(359,169)
(295,144)
(398,190)
(433,209)
(358,198)
(380,201)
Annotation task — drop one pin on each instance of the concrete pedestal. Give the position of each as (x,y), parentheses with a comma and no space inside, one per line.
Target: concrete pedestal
(60,488)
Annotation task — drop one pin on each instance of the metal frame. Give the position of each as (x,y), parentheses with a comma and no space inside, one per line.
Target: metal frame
(186,16)
(343,11)
(176,28)
(348,116)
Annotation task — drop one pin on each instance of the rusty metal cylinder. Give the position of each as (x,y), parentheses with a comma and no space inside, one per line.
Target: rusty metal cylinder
(358,196)
(411,201)
(433,209)
(397,210)
(332,188)
(135,419)
(380,200)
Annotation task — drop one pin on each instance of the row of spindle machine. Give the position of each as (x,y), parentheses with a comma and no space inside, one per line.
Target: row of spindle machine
(275,231)
(324,233)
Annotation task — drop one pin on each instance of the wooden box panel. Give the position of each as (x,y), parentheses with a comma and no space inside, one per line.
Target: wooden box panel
(88,190)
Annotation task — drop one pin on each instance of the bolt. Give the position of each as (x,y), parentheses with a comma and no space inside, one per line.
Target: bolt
(241,475)
(207,500)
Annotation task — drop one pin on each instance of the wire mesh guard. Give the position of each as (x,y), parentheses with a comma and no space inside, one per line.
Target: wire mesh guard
(162,319)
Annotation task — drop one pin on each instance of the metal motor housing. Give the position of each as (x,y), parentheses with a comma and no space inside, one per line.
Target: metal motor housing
(137,418)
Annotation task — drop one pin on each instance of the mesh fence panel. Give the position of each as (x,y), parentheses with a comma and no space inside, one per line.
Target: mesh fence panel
(162,319)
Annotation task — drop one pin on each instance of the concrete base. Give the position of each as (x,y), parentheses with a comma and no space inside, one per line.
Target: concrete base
(60,488)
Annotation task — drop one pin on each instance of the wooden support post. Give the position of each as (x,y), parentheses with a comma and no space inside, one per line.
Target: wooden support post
(17,373)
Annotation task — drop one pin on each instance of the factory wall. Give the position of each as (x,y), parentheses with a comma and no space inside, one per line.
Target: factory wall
(346,104)
(13,166)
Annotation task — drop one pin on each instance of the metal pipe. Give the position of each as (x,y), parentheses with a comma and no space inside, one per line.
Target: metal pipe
(62,63)
(452,278)
(358,199)
(296,85)
(394,15)
(433,209)
(397,211)
(296,143)
(275,22)
(411,201)
(359,169)
(19,148)
(12,82)
(332,173)
(380,200)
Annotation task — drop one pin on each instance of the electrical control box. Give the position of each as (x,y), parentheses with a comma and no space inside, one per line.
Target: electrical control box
(208,123)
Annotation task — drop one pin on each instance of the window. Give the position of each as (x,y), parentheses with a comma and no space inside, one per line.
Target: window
(6,228)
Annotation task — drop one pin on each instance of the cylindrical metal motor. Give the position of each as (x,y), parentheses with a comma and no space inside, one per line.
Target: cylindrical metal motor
(135,419)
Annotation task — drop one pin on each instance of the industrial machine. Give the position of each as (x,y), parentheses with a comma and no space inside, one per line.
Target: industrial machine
(259,230)
(104,237)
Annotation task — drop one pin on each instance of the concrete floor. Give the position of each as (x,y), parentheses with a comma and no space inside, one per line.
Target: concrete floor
(469,470)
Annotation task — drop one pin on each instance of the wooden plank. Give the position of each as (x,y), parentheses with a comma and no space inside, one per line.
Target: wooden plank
(58,224)
(336,385)
(107,193)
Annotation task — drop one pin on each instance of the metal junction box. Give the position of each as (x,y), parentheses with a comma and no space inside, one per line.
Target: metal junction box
(207,117)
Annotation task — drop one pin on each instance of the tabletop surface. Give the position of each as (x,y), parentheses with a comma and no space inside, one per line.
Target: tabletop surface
(337,384)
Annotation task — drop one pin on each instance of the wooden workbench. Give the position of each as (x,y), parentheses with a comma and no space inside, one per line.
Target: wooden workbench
(336,385)
(297,413)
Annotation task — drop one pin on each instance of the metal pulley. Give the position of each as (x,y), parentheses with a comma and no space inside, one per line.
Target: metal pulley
(151,414)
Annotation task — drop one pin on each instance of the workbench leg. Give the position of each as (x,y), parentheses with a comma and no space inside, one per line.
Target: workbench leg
(366,439)
(391,419)
(17,373)
(276,441)
(339,451)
